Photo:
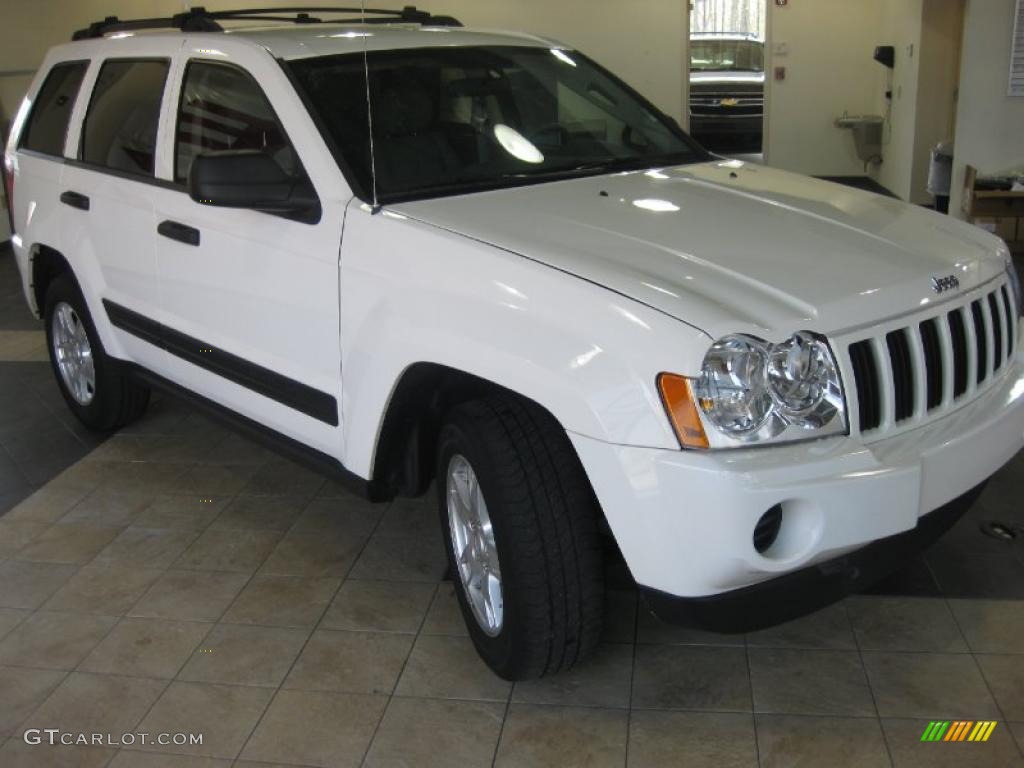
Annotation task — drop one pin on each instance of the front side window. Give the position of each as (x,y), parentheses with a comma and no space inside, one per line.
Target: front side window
(223,109)
(121,125)
(459,119)
(47,126)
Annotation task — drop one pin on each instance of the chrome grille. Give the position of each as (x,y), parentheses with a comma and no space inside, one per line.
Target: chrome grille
(914,373)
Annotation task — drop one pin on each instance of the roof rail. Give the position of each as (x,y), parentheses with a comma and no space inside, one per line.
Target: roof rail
(202,20)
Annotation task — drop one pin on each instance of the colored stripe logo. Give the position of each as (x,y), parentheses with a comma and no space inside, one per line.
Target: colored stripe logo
(958,730)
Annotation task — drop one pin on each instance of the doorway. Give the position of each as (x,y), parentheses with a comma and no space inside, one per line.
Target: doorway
(727,76)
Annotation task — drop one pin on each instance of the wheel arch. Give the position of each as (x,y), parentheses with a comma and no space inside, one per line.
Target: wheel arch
(46,264)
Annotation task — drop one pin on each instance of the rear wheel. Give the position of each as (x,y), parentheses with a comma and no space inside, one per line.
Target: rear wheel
(99,394)
(521,531)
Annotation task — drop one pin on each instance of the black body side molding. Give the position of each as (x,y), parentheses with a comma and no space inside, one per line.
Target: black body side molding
(289,392)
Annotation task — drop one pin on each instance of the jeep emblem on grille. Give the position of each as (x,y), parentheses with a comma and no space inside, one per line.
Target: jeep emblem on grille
(943,284)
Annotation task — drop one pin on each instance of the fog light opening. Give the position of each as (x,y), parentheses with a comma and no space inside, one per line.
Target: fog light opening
(767,529)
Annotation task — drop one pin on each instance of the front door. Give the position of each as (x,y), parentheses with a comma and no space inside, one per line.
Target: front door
(250,299)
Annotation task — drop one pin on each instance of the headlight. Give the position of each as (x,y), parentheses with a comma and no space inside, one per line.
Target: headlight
(1011,271)
(750,391)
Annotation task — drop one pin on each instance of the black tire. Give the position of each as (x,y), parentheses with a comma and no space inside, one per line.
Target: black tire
(545,521)
(117,399)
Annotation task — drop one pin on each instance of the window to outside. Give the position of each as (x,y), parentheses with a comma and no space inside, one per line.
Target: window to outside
(47,126)
(222,108)
(726,55)
(121,124)
(457,119)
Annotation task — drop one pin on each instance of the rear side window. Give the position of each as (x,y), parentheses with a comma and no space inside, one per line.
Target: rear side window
(120,127)
(47,125)
(222,108)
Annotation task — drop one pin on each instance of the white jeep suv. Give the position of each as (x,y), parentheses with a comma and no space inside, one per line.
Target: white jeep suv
(411,253)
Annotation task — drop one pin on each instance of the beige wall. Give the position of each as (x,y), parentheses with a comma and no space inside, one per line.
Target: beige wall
(989,124)
(642,41)
(829,70)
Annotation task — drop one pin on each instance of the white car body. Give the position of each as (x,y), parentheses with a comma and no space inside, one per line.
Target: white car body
(576,294)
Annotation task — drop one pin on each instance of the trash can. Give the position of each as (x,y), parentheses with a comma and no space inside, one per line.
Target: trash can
(940,173)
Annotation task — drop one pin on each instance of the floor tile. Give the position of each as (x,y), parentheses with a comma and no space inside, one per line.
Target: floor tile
(48,504)
(146,648)
(904,624)
(828,628)
(809,682)
(107,704)
(146,477)
(1017,730)
(348,514)
(653,631)
(282,601)
(384,606)
(28,585)
(280,477)
(908,751)
(991,626)
(691,677)
(102,507)
(209,480)
(190,595)
(228,550)
(562,736)
(449,668)
(445,616)
(108,590)
(224,714)
(313,555)
(189,513)
(146,547)
(23,691)
(416,518)
(17,754)
(264,513)
(428,733)
(693,739)
(402,560)
(133,759)
(54,640)
(10,618)
(16,534)
(966,575)
(316,728)
(603,680)
(350,662)
(1005,677)
(71,544)
(244,655)
(788,741)
(929,685)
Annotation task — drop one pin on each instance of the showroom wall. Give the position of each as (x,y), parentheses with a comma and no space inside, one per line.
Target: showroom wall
(989,124)
(829,70)
(643,41)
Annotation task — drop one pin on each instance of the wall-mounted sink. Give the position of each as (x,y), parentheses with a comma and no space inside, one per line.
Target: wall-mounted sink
(867,134)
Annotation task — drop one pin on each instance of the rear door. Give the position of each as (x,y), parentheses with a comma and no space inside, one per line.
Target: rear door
(250,299)
(108,193)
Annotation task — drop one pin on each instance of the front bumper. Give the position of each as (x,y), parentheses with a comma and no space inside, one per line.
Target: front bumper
(684,520)
(795,594)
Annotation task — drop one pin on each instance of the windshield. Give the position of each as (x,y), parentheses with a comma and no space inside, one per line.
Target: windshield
(453,120)
(726,55)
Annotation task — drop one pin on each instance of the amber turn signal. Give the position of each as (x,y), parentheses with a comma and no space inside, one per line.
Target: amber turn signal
(682,410)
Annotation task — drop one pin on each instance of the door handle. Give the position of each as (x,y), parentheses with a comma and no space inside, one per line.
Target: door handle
(180,232)
(75,200)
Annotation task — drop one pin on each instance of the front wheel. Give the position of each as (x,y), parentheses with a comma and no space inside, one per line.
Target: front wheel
(520,522)
(99,394)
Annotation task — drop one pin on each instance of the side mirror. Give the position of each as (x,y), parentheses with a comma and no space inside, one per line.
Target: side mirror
(251,179)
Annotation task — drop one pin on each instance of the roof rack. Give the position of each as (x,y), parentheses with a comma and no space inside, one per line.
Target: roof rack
(202,20)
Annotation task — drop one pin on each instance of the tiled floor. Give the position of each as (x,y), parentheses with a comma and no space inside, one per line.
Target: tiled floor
(180,579)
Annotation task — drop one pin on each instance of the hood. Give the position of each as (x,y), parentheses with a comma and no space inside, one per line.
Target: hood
(730,247)
(718,78)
